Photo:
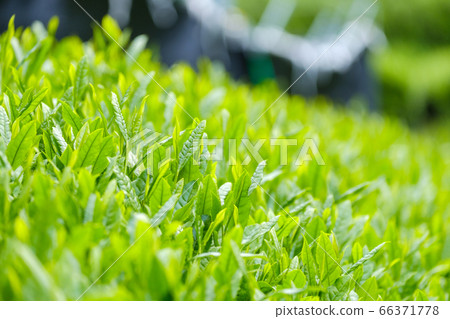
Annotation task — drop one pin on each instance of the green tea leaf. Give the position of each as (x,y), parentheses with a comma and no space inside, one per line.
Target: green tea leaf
(118,117)
(309,263)
(59,138)
(90,150)
(168,206)
(187,149)
(242,199)
(327,261)
(253,232)
(107,149)
(208,198)
(21,145)
(30,101)
(257,177)
(81,81)
(159,196)
(71,117)
(366,257)
(368,290)
(138,117)
(5,129)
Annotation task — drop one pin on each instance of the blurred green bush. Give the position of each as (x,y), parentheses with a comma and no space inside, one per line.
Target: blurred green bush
(414,68)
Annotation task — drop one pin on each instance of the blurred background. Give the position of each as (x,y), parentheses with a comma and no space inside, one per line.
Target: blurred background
(394,60)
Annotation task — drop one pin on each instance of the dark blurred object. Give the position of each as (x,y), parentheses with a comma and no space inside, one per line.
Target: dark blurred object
(72,19)
(315,63)
(180,36)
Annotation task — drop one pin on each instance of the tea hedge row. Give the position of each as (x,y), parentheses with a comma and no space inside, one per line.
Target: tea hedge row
(108,189)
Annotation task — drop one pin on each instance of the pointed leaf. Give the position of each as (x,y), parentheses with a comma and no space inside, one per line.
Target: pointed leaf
(20,145)
(71,117)
(253,232)
(5,128)
(30,101)
(366,257)
(223,192)
(257,177)
(107,149)
(187,150)
(59,138)
(81,81)
(329,268)
(90,149)
(118,117)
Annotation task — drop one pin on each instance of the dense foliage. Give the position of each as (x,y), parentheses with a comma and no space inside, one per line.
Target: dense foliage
(413,67)
(94,207)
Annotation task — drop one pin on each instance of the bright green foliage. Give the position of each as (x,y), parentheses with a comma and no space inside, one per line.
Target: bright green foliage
(85,182)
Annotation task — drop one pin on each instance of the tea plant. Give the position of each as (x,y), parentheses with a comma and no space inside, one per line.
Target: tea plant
(95,205)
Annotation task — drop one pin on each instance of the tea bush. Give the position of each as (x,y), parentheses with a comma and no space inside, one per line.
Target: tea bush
(96,206)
